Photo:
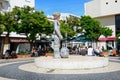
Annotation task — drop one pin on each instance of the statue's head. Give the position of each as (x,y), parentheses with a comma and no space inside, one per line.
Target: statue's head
(56,15)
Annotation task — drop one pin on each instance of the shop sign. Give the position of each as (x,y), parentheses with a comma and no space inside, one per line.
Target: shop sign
(18,40)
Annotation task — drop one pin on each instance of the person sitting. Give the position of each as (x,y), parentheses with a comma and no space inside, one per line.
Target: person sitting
(7,54)
(90,51)
(83,51)
(113,52)
(33,52)
(98,52)
(36,52)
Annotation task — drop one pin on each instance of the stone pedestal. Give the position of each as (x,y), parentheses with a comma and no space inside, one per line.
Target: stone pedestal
(73,62)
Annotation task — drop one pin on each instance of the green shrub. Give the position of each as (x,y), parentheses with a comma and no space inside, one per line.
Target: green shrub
(50,51)
(105,50)
(22,52)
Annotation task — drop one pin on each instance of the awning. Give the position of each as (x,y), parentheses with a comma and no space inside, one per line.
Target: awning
(106,39)
(18,40)
(102,39)
(111,38)
(82,38)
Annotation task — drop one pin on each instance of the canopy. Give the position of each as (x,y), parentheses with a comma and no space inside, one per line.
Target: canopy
(82,38)
(103,38)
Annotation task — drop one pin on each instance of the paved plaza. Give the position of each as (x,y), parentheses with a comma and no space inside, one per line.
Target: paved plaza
(24,69)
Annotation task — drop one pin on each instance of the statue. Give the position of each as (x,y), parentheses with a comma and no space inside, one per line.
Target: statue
(56,44)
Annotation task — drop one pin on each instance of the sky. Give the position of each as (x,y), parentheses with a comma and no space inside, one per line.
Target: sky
(75,7)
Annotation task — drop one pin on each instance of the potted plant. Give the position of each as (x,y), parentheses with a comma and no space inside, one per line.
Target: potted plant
(49,53)
(105,52)
(23,54)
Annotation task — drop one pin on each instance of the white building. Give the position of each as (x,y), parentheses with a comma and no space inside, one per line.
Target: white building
(8,5)
(16,40)
(108,13)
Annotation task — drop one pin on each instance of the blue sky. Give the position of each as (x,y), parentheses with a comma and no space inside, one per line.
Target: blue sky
(75,7)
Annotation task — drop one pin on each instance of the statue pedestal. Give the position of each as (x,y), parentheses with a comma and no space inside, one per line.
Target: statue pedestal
(73,62)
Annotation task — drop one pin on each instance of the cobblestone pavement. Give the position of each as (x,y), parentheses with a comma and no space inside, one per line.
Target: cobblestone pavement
(9,71)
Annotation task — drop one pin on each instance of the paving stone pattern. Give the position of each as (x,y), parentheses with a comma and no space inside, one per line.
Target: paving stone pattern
(12,72)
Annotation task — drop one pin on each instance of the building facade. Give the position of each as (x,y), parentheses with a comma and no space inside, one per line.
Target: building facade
(108,13)
(8,5)
(17,41)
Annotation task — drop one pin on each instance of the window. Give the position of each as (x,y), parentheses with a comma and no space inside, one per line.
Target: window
(5,5)
(117,23)
(106,2)
(27,0)
(115,1)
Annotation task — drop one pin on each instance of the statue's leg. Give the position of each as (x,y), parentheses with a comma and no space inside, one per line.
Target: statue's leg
(57,52)
(56,47)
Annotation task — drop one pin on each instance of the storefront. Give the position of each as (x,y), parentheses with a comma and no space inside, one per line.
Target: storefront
(15,42)
(19,44)
(109,42)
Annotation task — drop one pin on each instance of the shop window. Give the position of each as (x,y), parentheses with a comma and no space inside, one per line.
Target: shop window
(110,45)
